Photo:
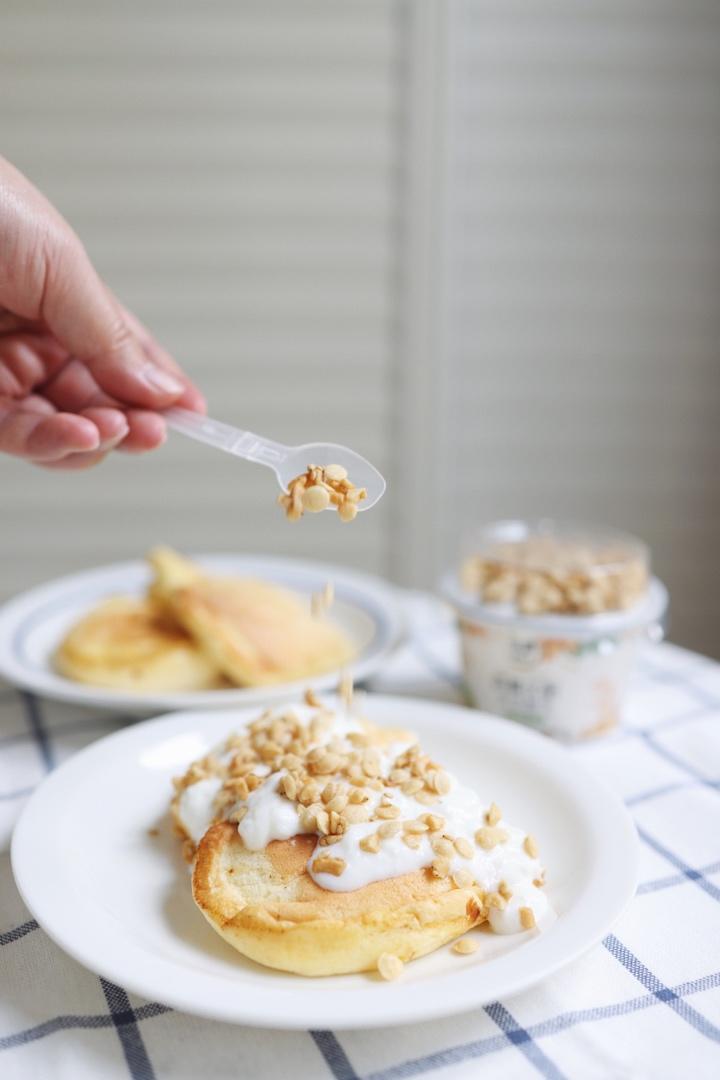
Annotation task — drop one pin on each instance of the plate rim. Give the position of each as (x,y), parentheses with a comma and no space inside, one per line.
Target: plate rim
(623,849)
(386,599)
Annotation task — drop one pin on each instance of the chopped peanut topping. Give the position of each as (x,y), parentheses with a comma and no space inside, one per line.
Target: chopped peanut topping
(346,690)
(527,918)
(347,511)
(416,826)
(463,879)
(465,946)
(439,781)
(355,814)
(531,847)
(288,786)
(389,828)
(463,847)
(426,798)
(493,815)
(320,488)
(321,602)
(328,864)
(328,841)
(390,966)
(489,836)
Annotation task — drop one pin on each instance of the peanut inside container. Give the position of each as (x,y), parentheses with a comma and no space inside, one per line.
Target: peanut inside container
(543,567)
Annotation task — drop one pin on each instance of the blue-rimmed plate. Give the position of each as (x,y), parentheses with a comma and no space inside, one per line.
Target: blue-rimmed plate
(33,624)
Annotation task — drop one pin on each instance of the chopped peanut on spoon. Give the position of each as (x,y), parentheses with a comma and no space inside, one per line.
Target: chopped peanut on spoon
(319,488)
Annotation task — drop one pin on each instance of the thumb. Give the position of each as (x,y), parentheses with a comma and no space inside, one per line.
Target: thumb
(85,317)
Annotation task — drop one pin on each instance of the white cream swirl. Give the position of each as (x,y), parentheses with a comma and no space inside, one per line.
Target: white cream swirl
(270,816)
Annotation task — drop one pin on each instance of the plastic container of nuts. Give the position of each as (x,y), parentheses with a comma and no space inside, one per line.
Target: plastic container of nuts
(552,618)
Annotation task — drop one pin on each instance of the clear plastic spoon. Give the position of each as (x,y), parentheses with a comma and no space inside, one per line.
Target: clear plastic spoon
(287,462)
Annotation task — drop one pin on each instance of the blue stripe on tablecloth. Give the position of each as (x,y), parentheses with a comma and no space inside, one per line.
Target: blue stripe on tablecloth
(678,762)
(335,1057)
(678,879)
(440,1059)
(692,875)
(659,675)
(603,1012)
(663,993)
(86,724)
(18,793)
(521,1037)
(18,932)
(68,1022)
(655,793)
(124,1018)
(670,721)
(33,714)
(453,1055)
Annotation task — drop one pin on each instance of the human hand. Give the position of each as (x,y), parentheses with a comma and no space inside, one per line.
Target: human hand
(79,375)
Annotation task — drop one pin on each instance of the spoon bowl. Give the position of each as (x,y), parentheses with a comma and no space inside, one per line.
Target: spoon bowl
(359,470)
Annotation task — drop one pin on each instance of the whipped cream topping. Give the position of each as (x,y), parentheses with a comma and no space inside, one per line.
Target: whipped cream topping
(269,818)
(508,865)
(195,807)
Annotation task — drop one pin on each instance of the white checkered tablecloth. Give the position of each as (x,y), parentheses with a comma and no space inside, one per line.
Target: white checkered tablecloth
(645,1003)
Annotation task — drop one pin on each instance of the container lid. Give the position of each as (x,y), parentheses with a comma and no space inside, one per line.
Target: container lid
(649,610)
(546,544)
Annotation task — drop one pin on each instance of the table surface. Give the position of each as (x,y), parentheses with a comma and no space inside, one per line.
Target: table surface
(644,1003)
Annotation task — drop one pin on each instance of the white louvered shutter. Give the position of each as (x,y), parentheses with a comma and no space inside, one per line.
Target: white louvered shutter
(232,168)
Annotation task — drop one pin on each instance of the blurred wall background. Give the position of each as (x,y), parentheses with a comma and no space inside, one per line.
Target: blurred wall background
(478,241)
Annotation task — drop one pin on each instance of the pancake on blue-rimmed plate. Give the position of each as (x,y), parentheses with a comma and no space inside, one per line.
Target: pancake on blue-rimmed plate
(196,631)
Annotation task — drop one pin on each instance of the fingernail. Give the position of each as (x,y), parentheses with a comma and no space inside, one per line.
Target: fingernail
(160,380)
(112,442)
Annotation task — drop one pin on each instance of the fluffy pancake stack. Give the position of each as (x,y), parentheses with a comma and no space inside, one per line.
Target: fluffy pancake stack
(324,845)
(195,632)
(266,905)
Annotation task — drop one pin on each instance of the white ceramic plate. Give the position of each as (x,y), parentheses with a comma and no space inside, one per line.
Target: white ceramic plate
(118,899)
(33,624)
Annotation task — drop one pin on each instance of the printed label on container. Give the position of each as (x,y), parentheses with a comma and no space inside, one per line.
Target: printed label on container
(566,688)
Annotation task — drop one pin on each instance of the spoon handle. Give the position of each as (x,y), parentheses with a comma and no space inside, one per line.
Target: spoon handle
(225,437)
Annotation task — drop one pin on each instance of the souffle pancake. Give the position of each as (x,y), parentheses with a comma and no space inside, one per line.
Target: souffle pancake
(129,643)
(257,633)
(323,845)
(193,631)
